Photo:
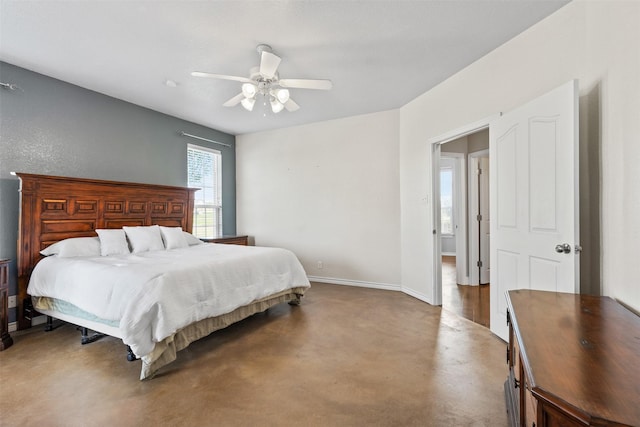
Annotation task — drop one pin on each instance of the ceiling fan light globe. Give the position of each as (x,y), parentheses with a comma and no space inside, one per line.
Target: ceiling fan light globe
(276,106)
(249,90)
(248,103)
(282,95)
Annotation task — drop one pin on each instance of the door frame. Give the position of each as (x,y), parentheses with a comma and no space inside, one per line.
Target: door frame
(459,213)
(435,143)
(474,228)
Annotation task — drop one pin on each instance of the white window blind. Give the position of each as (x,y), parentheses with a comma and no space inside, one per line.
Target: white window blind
(204,167)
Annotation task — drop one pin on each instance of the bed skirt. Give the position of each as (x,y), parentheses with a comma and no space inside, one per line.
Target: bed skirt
(166,350)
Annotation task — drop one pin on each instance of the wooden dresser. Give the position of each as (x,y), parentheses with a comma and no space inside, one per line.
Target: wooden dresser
(229,240)
(5,338)
(574,360)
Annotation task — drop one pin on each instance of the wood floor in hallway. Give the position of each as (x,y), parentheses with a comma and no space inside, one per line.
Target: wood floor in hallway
(470,302)
(348,356)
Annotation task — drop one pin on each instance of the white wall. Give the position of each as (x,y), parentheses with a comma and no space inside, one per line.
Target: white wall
(330,192)
(307,188)
(596,42)
(478,141)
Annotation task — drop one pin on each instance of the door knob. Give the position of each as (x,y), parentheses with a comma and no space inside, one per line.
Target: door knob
(563,248)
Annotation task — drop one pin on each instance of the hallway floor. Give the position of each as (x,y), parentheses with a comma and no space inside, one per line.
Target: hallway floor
(348,356)
(470,302)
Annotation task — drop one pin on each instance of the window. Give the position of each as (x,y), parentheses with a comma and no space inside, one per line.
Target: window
(204,172)
(446,200)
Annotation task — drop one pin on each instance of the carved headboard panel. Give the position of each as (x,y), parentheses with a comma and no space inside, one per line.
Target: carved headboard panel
(54,208)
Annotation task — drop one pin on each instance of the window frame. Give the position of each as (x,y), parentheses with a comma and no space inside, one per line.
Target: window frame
(452,170)
(216,205)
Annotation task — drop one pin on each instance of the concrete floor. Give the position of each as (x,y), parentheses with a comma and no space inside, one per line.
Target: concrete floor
(346,357)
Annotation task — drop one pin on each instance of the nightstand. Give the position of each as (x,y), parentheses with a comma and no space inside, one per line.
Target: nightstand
(5,338)
(229,240)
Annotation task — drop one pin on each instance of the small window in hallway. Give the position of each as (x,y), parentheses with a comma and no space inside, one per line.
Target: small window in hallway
(446,200)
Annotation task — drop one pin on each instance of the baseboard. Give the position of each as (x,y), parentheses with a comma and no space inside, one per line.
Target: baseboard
(448,254)
(417,295)
(13,326)
(359,283)
(372,285)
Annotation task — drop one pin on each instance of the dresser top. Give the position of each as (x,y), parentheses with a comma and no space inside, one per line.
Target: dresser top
(582,350)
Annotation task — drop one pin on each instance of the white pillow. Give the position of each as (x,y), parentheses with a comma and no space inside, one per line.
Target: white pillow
(113,242)
(173,237)
(76,246)
(145,238)
(191,239)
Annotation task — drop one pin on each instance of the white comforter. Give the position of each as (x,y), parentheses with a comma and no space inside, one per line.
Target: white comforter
(154,294)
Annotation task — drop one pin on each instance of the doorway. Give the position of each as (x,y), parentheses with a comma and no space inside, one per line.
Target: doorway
(535,217)
(464,225)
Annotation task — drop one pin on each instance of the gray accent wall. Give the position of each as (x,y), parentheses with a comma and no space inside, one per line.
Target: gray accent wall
(50,127)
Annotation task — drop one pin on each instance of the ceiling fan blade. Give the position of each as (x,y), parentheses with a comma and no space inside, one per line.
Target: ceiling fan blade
(221,76)
(234,101)
(291,106)
(269,64)
(306,84)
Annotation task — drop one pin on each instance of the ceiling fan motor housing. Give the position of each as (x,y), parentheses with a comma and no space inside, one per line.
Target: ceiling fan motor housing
(263,48)
(264,86)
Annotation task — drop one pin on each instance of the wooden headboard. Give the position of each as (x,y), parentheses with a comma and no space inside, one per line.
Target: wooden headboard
(54,208)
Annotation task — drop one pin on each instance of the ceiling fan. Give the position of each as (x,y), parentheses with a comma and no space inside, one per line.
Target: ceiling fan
(264,80)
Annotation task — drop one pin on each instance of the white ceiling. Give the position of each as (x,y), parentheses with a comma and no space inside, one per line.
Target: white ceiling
(379,54)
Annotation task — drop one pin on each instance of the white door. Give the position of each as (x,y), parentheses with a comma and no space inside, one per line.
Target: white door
(534,199)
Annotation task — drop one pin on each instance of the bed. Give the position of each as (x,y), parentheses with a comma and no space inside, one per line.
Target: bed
(157,299)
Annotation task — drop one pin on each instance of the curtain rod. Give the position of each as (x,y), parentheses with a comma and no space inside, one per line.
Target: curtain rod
(183,133)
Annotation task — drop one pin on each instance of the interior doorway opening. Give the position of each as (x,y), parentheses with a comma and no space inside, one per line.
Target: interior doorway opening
(534,197)
(463,193)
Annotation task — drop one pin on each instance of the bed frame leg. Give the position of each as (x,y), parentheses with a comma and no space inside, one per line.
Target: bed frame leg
(131,357)
(50,326)
(88,339)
